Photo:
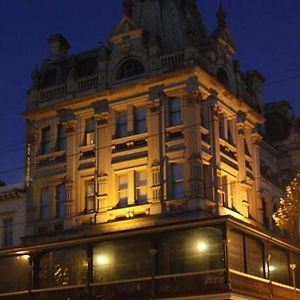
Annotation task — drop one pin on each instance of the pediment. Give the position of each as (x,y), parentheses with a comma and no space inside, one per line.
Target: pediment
(125,25)
(225,39)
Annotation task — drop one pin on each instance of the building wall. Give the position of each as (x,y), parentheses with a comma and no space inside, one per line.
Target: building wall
(198,150)
(12,215)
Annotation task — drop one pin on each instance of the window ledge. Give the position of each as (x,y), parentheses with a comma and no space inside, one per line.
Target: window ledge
(51,155)
(130,138)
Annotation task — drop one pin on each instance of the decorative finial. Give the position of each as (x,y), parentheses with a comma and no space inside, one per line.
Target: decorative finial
(127,4)
(221,17)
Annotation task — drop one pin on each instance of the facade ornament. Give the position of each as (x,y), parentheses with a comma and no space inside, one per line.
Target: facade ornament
(102,112)
(256,137)
(155,94)
(127,4)
(221,17)
(192,86)
(36,77)
(241,122)
(67,118)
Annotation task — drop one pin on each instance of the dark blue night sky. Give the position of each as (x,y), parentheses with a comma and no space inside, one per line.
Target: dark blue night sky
(266,35)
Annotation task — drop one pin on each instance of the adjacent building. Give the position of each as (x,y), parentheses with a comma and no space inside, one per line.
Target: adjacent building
(12,215)
(146,169)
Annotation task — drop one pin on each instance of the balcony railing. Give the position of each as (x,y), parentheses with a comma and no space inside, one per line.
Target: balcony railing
(60,91)
(144,288)
(261,288)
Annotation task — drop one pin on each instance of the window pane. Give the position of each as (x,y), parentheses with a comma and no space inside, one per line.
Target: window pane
(140,120)
(141,182)
(192,250)
(254,257)
(278,266)
(175,112)
(60,201)
(61,137)
(236,251)
(122,259)
(130,68)
(122,124)
(177,181)
(7,232)
(17,272)
(63,268)
(90,131)
(123,190)
(45,204)
(45,140)
(90,196)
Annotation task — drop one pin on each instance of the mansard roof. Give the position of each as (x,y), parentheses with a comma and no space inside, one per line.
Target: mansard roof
(173,21)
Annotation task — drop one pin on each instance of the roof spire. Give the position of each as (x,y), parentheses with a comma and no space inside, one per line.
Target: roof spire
(127,4)
(221,17)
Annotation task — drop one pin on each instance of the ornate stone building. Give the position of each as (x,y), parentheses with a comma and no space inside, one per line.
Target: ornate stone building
(144,169)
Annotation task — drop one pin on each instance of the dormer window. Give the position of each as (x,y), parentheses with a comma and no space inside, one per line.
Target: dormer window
(223,77)
(129,69)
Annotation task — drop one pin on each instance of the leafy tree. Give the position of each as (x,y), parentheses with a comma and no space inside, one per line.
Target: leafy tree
(287,217)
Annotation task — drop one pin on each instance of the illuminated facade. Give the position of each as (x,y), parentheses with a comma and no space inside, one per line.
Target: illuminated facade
(143,169)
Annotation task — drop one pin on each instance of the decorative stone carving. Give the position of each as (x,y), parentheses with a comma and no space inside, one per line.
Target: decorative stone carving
(67,118)
(155,94)
(101,109)
(192,86)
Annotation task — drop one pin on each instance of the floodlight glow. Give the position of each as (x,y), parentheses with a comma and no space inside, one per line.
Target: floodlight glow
(24,257)
(102,260)
(202,246)
(272,268)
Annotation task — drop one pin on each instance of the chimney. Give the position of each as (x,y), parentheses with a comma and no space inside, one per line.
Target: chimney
(58,46)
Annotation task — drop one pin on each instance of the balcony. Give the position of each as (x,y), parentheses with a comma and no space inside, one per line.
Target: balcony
(193,260)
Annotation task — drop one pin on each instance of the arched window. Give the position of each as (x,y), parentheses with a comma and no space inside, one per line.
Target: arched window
(222,76)
(130,68)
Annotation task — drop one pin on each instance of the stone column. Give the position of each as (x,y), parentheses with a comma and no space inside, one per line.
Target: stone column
(68,119)
(257,210)
(242,184)
(192,137)
(103,158)
(215,149)
(156,149)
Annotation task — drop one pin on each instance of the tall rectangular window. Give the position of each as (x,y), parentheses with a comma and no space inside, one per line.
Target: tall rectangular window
(139,120)
(60,201)
(61,137)
(7,232)
(45,140)
(123,190)
(122,124)
(175,112)
(140,187)
(254,257)
(45,204)
(90,196)
(90,131)
(177,184)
